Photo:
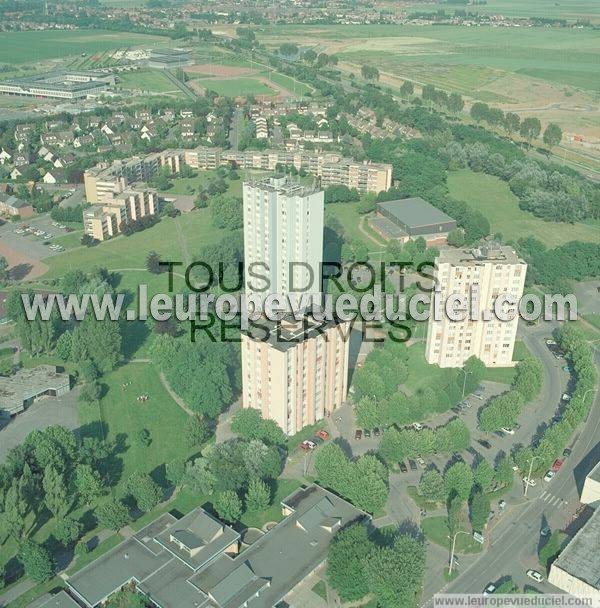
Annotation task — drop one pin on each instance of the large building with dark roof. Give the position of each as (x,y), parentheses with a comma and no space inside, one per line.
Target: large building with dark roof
(410,218)
(198,562)
(62,84)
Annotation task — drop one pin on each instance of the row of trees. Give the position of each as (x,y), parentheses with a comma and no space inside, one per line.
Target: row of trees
(555,437)
(503,411)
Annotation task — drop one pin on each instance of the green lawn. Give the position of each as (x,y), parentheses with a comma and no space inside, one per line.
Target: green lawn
(283,488)
(236,87)
(493,198)
(420,373)
(120,415)
(30,46)
(154,81)
(131,251)
(436,531)
(348,216)
(506,374)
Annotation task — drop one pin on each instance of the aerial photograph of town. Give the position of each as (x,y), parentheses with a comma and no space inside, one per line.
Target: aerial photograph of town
(299,303)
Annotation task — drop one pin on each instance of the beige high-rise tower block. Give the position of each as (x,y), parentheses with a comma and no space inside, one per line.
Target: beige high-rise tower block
(299,374)
(483,273)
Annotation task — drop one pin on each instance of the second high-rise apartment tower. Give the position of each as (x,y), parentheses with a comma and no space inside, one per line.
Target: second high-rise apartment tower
(283,230)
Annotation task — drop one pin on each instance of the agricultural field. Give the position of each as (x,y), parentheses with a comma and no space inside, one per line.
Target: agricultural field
(493,198)
(34,46)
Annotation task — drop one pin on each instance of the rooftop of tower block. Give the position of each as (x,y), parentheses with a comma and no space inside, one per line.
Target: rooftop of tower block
(284,185)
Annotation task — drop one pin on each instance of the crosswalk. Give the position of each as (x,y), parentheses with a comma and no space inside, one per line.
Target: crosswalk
(551,500)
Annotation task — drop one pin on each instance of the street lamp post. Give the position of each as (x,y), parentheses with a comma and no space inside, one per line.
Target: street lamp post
(452,550)
(465,372)
(530,471)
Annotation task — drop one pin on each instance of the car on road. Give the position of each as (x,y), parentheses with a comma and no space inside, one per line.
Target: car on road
(484,443)
(507,430)
(491,588)
(549,475)
(535,575)
(556,465)
(307,445)
(358,434)
(403,467)
(323,434)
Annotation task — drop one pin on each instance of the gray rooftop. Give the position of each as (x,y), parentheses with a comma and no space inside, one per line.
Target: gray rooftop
(581,557)
(283,185)
(387,227)
(594,474)
(12,201)
(60,600)
(414,212)
(489,252)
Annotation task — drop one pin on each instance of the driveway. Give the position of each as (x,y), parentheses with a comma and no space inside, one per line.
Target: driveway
(42,414)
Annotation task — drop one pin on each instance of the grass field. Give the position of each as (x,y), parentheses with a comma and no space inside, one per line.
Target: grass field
(436,531)
(165,238)
(30,46)
(493,198)
(147,80)
(233,87)
(348,216)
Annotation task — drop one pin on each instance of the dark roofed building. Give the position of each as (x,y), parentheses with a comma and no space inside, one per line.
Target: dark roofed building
(60,600)
(410,218)
(194,562)
(11,205)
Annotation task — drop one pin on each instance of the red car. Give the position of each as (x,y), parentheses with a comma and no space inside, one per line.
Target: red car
(323,434)
(556,465)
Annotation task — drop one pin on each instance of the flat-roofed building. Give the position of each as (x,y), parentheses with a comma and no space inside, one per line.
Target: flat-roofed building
(299,374)
(577,569)
(19,391)
(158,560)
(60,600)
(168,59)
(62,84)
(411,218)
(480,275)
(590,494)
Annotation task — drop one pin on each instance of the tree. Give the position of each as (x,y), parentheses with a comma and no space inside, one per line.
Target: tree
(369,72)
(153,263)
(483,475)
(175,471)
(88,484)
(530,128)
(260,460)
(143,437)
(228,506)
(4,273)
(146,492)
(258,496)
(199,476)
(99,341)
(528,378)
(459,479)
(345,562)
(407,89)
(67,531)
(512,122)
(479,111)
(249,423)
(37,561)
(503,472)
(227,212)
(56,493)
(431,486)
(63,345)
(309,56)
(13,514)
(197,431)
(552,135)
(90,392)
(479,510)
(113,514)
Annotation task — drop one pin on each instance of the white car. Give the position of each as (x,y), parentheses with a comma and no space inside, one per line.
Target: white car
(535,575)
(549,475)
(417,426)
(507,431)
(491,588)
(566,397)
(529,482)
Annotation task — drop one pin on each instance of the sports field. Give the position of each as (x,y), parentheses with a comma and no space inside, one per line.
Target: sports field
(147,80)
(493,198)
(234,87)
(32,46)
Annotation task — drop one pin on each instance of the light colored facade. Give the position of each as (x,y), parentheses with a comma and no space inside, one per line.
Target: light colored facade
(590,495)
(106,220)
(283,236)
(298,376)
(482,274)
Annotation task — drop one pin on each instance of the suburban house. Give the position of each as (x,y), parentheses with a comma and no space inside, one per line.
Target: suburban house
(11,205)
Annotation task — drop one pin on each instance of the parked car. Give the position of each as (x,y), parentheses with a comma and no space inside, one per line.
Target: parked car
(417,426)
(549,475)
(376,432)
(565,397)
(535,575)
(358,434)
(367,433)
(567,452)
(403,467)
(412,464)
(491,588)
(507,431)
(502,505)
(529,482)
(323,434)
(484,443)
(545,531)
(421,462)
(556,465)
(308,445)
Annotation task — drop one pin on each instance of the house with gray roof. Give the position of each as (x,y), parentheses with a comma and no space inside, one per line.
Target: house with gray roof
(198,562)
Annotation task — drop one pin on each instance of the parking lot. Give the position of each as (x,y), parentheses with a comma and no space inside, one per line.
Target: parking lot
(25,250)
